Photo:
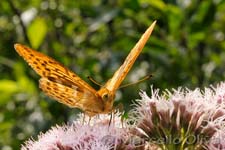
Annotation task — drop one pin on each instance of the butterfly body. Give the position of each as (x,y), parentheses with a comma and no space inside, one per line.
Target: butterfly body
(68,88)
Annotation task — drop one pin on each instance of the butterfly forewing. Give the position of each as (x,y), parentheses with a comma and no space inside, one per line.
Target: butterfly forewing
(114,83)
(50,68)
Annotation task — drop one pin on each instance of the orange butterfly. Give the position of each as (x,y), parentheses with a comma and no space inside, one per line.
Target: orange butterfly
(66,87)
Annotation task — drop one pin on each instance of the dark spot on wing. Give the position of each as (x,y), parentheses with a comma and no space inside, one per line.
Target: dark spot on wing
(44,74)
(43,64)
(48,83)
(52,79)
(47,69)
(51,62)
(62,96)
(70,101)
(57,70)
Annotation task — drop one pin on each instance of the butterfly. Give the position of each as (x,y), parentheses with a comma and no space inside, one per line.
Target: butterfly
(68,88)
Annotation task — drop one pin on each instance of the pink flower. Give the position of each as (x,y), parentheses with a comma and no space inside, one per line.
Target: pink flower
(80,136)
(182,118)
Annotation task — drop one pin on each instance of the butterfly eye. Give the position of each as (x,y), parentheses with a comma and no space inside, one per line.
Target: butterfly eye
(105,96)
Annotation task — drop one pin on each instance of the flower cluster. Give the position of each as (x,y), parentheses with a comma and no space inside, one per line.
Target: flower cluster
(177,119)
(85,134)
(182,118)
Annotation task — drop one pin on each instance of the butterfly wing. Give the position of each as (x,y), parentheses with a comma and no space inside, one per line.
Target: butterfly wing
(49,68)
(114,83)
(59,82)
(72,96)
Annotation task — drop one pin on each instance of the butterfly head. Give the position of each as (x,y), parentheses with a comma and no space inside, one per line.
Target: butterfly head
(107,98)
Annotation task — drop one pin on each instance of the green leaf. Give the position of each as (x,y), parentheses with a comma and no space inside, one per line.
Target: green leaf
(157,4)
(195,38)
(7,88)
(175,17)
(37,32)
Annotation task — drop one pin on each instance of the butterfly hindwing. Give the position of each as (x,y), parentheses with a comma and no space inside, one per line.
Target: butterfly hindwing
(63,94)
(71,96)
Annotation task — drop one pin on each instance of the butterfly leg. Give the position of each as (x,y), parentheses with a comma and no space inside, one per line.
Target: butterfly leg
(83,121)
(116,109)
(111,116)
(89,120)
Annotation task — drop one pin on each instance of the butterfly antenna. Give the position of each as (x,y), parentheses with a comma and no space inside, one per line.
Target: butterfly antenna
(143,79)
(94,81)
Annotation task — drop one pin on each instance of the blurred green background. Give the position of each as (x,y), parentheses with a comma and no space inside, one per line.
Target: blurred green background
(92,38)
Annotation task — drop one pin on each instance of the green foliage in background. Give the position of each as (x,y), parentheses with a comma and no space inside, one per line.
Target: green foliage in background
(92,38)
